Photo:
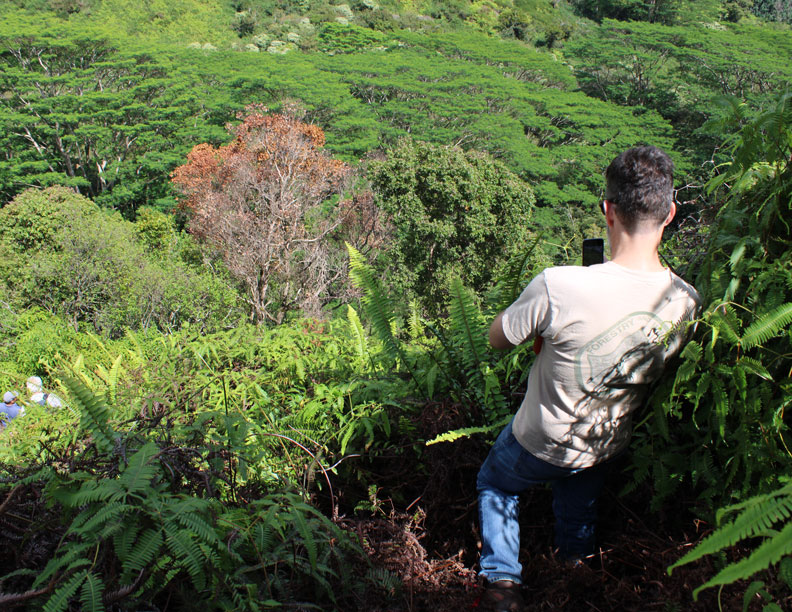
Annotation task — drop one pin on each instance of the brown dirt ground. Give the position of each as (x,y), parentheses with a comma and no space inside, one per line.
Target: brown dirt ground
(426,533)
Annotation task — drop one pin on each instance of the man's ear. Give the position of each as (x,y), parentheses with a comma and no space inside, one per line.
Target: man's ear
(671,214)
(610,213)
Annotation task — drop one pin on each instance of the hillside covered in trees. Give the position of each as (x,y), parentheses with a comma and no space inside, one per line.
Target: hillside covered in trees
(253,249)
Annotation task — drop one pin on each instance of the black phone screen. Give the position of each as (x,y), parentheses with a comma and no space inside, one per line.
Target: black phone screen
(593,251)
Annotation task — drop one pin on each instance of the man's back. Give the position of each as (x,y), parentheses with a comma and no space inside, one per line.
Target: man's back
(608,331)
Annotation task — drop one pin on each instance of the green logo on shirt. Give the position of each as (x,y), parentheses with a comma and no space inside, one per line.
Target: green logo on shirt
(627,354)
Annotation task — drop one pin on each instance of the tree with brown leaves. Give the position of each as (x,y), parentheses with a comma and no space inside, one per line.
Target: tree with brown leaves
(271,204)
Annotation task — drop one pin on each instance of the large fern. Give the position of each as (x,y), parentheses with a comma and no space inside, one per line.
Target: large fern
(765,327)
(756,516)
(94,413)
(469,332)
(378,307)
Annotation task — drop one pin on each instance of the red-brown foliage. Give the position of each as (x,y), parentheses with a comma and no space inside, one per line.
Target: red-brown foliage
(271,204)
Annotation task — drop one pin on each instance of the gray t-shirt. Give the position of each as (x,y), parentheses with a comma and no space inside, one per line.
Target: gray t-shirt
(608,332)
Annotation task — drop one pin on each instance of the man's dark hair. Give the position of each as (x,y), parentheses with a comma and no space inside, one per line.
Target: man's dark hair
(640,182)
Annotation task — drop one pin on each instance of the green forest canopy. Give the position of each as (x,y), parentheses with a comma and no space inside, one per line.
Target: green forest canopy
(138,326)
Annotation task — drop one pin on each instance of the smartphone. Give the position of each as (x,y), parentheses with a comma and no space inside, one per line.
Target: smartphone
(593,251)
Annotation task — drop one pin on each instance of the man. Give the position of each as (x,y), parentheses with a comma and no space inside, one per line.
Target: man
(9,409)
(606,332)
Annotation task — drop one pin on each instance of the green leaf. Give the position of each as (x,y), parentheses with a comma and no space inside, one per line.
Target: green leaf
(59,601)
(466,432)
(91,593)
(767,326)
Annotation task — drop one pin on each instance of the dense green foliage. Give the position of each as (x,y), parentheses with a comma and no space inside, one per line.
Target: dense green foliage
(185,474)
(63,254)
(453,214)
(733,386)
(201,460)
(515,102)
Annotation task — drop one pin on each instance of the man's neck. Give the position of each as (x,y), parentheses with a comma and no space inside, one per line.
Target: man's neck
(636,251)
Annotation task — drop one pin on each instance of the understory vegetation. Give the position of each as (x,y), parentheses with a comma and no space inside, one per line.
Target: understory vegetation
(254,248)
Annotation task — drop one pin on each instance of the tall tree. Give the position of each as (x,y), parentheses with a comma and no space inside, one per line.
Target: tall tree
(454,213)
(269,203)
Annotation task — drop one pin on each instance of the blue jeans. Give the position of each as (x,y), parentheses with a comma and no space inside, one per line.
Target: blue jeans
(510,469)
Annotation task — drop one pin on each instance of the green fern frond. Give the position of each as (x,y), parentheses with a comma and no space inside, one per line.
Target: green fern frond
(466,326)
(378,307)
(721,401)
(375,303)
(59,601)
(71,559)
(767,326)
(91,593)
(358,334)
(112,379)
(136,355)
(187,551)
(264,533)
(512,281)
(109,512)
(139,472)
(414,322)
(725,321)
(91,492)
(757,516)
(124,539)
(754,366)
(298,515)
(146,547)
(199,526)
(469,333)
(771,551)
(94,414)
(466,432)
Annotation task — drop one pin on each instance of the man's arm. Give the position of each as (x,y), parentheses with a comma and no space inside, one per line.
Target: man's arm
(529,317)
(497,338)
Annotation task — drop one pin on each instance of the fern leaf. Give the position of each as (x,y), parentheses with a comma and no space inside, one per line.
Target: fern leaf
(770,552)
(754,366)
(71,559)
(758,514)
(91,593)
(466,326)
(91,492)
(110,512)
(358,334)
(513,278)
(124,539)
(139,472)
(377,307)
(414,321)
(264,537)
(726,322)
(145,549)
(466,432)
(60,598)
(187,551)
(306,533)
(94,414)
(196,524)
(721,401)
(767,326)
(374,302)
(112,379)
